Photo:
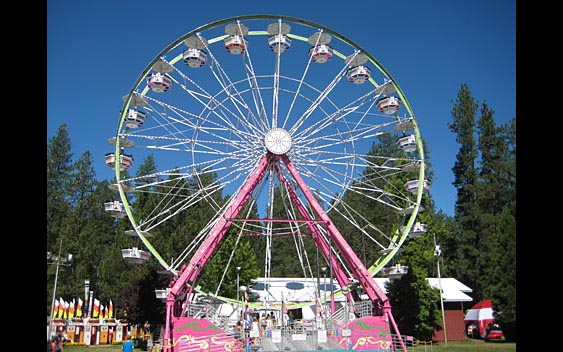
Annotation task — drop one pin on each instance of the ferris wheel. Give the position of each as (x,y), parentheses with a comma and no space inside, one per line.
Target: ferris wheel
(271,111)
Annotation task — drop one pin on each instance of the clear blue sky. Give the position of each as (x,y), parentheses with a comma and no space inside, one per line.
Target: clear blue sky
(97,49)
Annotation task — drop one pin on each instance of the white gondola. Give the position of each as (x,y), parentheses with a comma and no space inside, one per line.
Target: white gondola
(236,44)
(279,43)
(194,57)
(162,294)
(135,255)
(110,160)
(408,143)
(320,53)
(389,105)
(125,161)
(417,230)
(396,271)
(159,82)
(135,118)
(412,186)
(359,74)
(115,208)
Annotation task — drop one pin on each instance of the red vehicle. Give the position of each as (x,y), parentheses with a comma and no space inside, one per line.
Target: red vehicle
(480,322)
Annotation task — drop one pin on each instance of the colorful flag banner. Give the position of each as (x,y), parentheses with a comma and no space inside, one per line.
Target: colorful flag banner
(61,308)
(65,313)
(71,309)
(56,309)
(79,308)
(110,312)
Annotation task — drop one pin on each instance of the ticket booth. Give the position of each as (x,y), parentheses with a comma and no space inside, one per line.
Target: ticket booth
(103,334)
(75,330)
(70,331)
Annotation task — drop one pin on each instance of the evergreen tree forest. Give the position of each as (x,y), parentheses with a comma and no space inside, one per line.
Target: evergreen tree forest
(478,244)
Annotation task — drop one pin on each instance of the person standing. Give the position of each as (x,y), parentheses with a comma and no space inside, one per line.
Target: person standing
(128,346)
(57,345)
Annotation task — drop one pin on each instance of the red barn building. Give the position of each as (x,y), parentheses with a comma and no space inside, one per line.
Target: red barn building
(456,301)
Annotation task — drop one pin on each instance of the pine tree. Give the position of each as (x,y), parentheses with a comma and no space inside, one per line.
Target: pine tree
(498,223)
(485,209)
(59,175)
(232,252)
(489,198)
(465,182)
(59,206)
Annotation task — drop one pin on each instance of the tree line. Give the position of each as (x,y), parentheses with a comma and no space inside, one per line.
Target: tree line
(477,243)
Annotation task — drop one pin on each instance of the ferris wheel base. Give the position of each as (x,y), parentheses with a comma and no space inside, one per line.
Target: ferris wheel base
(366,334)
(193,334)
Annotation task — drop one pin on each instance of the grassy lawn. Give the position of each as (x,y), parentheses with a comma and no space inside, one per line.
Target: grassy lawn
(101,348)
(469,345)
(454,346)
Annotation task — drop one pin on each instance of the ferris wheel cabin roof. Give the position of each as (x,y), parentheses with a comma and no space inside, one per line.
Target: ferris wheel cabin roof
(196,42)
(278,28)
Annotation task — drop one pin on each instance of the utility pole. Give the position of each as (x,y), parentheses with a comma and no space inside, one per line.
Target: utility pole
(57,262)
(438,254)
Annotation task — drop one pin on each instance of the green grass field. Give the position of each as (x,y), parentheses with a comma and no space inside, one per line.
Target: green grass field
(467,346)
(455,346)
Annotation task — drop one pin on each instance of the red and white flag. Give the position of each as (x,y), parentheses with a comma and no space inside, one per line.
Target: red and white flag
(96,308)
(110,311)
(71,309)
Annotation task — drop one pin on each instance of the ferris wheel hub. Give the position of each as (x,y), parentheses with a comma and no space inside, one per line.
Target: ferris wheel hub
(277,141)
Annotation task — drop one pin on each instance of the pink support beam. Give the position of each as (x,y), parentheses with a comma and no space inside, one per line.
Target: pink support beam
(216,234)
(357,267)
(188,274)
(319,240)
